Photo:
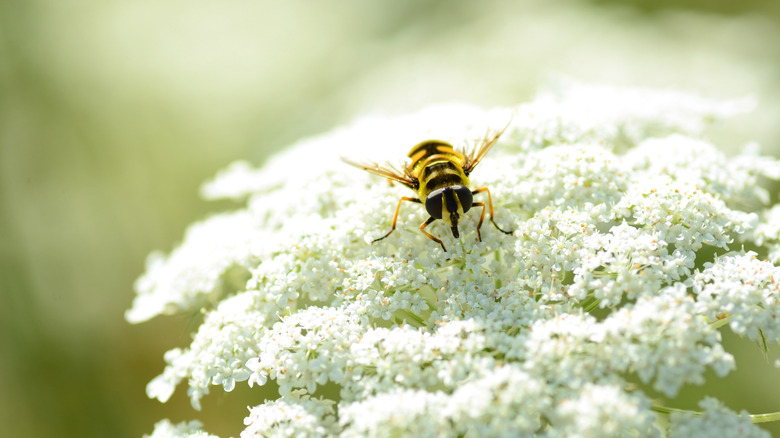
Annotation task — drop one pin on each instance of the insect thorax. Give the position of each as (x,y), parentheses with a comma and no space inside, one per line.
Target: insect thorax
(436,164)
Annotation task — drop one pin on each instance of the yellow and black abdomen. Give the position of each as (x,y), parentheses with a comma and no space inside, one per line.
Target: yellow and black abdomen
(436,164)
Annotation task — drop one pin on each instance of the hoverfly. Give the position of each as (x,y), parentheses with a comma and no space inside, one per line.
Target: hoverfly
(440,175)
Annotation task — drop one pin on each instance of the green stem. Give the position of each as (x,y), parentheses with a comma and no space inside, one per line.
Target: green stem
(417,319)
(668,410)
(593,305)
(756,418)
(765,418)
(720,323)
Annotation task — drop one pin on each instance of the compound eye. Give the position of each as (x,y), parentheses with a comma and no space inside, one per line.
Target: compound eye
(433,204)
(464,196)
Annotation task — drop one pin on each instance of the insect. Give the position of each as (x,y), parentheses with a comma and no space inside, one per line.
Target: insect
(440,176)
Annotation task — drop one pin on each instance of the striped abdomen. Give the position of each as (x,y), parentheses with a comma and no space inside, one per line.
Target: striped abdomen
(436,165)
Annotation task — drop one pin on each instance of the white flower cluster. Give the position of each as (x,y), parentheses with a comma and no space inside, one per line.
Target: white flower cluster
(185,429)
(296,415)
(744,289)
(225,341)
(716,420)
(607,411)
(181,283)
(617,206)
(488,406)
(768,233)
(654,337)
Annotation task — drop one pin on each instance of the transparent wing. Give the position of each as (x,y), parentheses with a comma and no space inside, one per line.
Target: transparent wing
(474,156)
(386,170)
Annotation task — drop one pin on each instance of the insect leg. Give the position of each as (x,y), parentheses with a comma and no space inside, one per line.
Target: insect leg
(490,204)
(481,218)
(430,236)
(395,217)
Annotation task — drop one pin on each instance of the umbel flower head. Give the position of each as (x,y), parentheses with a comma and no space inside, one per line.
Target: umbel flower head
(627,257)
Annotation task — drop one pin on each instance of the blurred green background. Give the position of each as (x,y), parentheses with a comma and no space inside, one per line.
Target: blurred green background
(112,112)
